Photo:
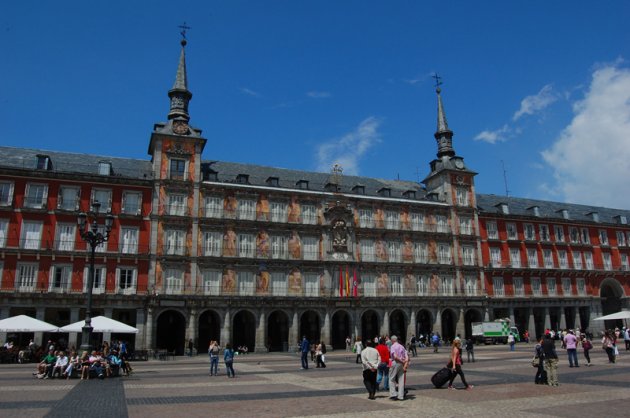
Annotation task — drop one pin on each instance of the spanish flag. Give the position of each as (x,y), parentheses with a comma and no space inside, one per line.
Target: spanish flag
(340,282)
(347,283)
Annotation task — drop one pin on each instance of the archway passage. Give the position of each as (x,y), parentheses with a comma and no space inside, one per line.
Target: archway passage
(309,326)
(369,325)
(397,325)
(278,331)
(448,325)
(585,316)
(539,322)
(569,317)
(209,329)
(171,331)
(472,315)
(340,329)
(521,318)
(424,325)
(244,330)
(611,293)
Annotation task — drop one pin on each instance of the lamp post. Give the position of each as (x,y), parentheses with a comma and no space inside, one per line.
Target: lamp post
(90,234)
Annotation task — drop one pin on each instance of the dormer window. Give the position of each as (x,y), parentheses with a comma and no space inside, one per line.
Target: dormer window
(621,220)
(331,187)
(44,162)
(104,168)
(433,196)
(302,184)
(594,216)
(359,189)
(564,213)
(409,194)
(242,179)
(385,192)
(535,210)
(273,181)
(210,175)
(504,208)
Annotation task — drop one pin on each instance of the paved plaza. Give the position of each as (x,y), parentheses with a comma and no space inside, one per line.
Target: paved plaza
(272,385)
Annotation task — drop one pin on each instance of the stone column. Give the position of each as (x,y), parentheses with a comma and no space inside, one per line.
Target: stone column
(596,327)
(4,314)
(385,324)
(38,337)
(108,313)
(547,318)
(261,333)
(411,328)
(192,329)
(562,321)
(460,327)
(325,330)
(294,333)
(486,314)
(437,321)
(149,330)
(73,336)
(226,330)
(141,343)
(531,325)
(511,314)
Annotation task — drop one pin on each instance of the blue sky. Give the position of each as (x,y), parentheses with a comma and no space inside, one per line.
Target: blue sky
(540,87)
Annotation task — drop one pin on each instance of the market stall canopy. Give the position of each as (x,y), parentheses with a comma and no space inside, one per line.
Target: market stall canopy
(24,323)
(101,324)
(616,315)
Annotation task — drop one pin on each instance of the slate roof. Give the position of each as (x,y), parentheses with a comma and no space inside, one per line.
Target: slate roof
(489,204)
(66,162)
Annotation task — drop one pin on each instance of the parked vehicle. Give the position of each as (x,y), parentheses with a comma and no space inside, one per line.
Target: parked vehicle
(494,332)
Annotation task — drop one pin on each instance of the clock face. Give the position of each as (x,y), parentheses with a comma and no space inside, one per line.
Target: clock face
(459,164)
(180,127)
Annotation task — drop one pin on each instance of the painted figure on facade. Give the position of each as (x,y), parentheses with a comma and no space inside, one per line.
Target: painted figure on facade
(295,246)
(434,284)
(295,281)
(382,284)
(229,281)
(229,206)
(340,235)
(262,244)
(262,208)
(294,210)
(380,250)
(432,251)
(379,218)
(404,218)
(409,283)
(262,282)
(407,250)
(229,243)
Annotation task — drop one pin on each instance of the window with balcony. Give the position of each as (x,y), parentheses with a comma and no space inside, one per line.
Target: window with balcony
(68,198)
(444,253)
(512,232)
(558,231)
(309,214)
(211,282)
(396,285)
(278,284)
(311,285)
(366,218)
(213,206)
(465,225)
(26,280)
(422,284)
(176,204)
(6,193)
(624,262)
(580,284)
(468,255)
(98,285)
(417,221)
(548,259)
(246,245)
(421,252)
(366,247)
(515,257)
(530,232)
(470,285)
(607,261)
(126,280)
(279,247)
(621,239)
(246,209)
(174,241)
(577,260)
(536,286)
(566,286)
(393,248)
(311,247)
(31,235)
(368,281)
(497,285)
(35,195)
(447,285)
(442,223)
(584,235)
(493,232)
(177,169)
(544,233)
(495,257)
(104,197)
(131,203)
(574,235)
(173,281)
(60,278)
(461,194)
(129,240)
(212,243)
(532,258)
(551,286)
(519,287)
(563,260)
(392,219)
(588,259)
(4,230)
(245,283)
(278,211)
(603,237)
(65,239)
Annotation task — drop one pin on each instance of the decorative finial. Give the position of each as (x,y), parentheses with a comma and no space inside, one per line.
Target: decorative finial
(438,83)
(183,27)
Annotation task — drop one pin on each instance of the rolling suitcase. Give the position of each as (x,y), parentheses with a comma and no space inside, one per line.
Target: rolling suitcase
(441,377)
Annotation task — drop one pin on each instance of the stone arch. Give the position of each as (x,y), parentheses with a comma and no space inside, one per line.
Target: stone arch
(449,321)
(310,325)
(398,325)
(370,324)
(340,329)
(611,294)
(471,315)
(171,331)
(278,331)
(208,329)
(244,330)
(424,323)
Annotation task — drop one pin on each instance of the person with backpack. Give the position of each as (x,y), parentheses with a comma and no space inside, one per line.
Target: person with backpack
(541,374)
(228,358)
(470,350)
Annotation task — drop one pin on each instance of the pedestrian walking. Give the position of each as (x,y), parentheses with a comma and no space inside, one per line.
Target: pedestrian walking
(400,362)
(470,350)
(551,360)
(190,347)
(511,341)
(608,344)
(587,345)
(570,343)
(412,344)
(455,364)
(358,347)
(370,358)
(541,375)
(383,367)
(304,349)
(228,358)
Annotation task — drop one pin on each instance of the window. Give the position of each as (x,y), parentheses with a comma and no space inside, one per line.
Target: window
(68,198)
(495,257)
(65,237)
(178,169)
(505,209)
(421,252)
(396,285)
(532,258)
(462,196)
(574,235)
(603,237)
(174,241)
(176,204)
(511,231)
(580,283)
(4,229)
(311,285)
(392,220)
(6,193)
(31,237)
(493,232)
(585,236)
(242,178)
(444,253)
(369,285)
(60,279)
(26,279)
(173,281)
(468,255)
(246,245)
(621,239)
(393,248)
(559,233)
(551,286)
(563,259)
(211,282)
(566,286)
(104,197)
(497,284)
(309,214)
(1,272)
(366,218)
(624,262)
(442,223)
(548,259)
(470,283)
(279,247)
(447,286)
(588,258)
(212,243)
(278,284)
(278,211)
(129,240)
(98,286)
(104,168)
(245,283)
(214,207)
(544,232)
(126,279)
(311,248)
(246,209)
(465,225)
(519,288)
(302,184)
(417,221)
(423,285)
(530,232)
(35,195)
(577,260)
(131,203)
(515,257)
(607,261)
(565,213)
(536,287)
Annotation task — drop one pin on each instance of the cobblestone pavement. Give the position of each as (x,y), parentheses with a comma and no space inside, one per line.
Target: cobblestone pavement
(272,385)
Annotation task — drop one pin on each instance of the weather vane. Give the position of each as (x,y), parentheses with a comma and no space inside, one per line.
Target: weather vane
(183,27)
(438,83)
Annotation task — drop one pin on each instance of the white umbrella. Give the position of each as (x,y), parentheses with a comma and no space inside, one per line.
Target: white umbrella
(101,324)
(616,315)
(24,323)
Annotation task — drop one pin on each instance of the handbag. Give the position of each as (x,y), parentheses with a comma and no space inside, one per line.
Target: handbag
(536,361)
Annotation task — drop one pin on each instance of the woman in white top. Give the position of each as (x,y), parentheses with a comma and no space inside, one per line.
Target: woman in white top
(358,347)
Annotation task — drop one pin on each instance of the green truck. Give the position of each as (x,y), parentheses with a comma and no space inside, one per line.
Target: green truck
(494,332)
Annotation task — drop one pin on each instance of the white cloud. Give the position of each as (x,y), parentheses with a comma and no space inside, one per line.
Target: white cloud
(319,94)
(492,137)
(591,157)
(249,92)
(348,149)
(536,103)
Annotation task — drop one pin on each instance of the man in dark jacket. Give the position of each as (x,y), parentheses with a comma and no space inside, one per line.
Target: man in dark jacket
(551,360)
(304,349)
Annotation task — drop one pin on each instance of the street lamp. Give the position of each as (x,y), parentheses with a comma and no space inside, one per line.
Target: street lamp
(90,234)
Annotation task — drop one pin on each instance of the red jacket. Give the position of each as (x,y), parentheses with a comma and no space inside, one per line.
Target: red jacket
(384,352)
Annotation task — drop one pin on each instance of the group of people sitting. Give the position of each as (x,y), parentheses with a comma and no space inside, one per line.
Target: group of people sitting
(96,364)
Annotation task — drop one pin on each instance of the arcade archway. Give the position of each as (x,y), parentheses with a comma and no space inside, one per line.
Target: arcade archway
(424,324)
(472,315)
(397,325)
(611,292)
(449,319)
(340,329)
(369,325)
(244,330)
(171,331)
(309,326)
(278,331)
(208,329)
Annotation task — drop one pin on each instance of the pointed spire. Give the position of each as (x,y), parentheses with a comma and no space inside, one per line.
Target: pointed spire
(179,94)
(443,135)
